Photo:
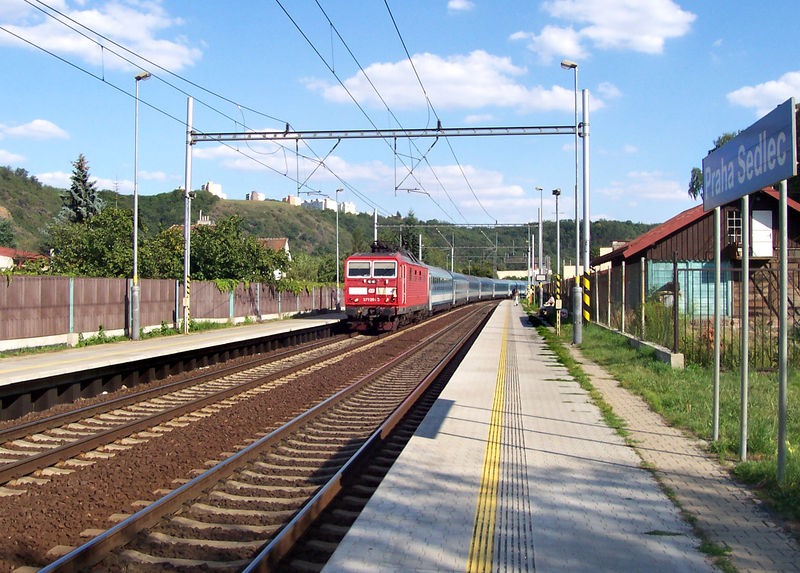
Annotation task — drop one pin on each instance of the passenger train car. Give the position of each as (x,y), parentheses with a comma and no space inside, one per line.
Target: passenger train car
(389,287)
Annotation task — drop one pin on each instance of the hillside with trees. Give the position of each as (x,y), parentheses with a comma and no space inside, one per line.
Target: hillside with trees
(29,217)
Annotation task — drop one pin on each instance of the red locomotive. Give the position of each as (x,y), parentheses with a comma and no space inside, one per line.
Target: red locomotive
(384,288)
(390,287)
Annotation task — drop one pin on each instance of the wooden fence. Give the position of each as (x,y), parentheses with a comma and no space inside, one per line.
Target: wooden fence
(45,310)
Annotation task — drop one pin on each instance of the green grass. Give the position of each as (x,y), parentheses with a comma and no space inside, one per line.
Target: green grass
(685,399)
(102,337)
(31,350)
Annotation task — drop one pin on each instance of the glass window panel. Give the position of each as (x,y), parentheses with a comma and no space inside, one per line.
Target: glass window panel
(358,269)
(386,269)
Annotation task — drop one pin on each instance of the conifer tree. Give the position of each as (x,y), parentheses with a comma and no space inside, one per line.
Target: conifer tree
(81,201)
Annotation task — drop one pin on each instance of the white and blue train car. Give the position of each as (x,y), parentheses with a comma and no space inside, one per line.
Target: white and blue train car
(461,288)
(440,287)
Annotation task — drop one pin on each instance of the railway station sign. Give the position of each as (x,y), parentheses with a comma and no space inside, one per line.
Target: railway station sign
(761,155)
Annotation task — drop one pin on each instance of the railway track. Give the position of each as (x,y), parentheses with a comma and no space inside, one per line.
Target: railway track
(68,441)
(247,511)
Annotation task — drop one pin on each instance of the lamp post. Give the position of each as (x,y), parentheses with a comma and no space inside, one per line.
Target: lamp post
(577,291)
(557,193)
(338,304)
(541,257)
(530,263)
(188,195)
(135,287)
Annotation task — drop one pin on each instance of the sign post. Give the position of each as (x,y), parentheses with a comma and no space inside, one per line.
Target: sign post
(763,154)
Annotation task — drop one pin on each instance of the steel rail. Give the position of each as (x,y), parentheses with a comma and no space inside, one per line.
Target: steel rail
(35,426)
(97,548)
(47,458)
(280,545)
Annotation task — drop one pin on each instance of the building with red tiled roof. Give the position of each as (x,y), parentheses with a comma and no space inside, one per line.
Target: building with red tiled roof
(646,265)
(277,244)
(10,258)
(690,234)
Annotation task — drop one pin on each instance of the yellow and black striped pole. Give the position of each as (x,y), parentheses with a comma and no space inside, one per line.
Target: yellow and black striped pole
(587,298)
(557,283)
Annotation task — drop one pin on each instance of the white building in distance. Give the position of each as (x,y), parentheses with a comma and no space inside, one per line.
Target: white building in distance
(320,204)
(292,200)
(256,196)
(214,189)
(348,207)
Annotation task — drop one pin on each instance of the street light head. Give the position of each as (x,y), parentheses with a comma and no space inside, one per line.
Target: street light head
(557,192)
(142,76)
(538,188)
(568,64)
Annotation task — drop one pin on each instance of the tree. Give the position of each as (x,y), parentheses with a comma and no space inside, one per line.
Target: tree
(696,176)
(162,256)
(304,267)
(80,202)
(223,251)
(97,247)
(7,238)
(358,241)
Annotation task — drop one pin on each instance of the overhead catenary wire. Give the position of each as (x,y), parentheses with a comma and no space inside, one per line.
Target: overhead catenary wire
(121,90)
(342,84)
(431,108)
(137,63)
(144,59)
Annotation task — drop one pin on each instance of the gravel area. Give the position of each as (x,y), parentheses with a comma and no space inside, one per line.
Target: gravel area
(56,512)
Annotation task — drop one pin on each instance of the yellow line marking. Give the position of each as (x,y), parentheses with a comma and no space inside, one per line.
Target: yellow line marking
(481,551)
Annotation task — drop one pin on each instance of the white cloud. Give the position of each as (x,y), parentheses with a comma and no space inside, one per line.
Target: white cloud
(609,90)
(272,158)
(8,158)
(638,25)
(36,129)
(627,148)
(646,186)
(478,118)
(460,5)
(553,42)
(153,175)
(764,97)
(13,9)
(55,179)
(135,25)
(473,81)
(62,180)
(111,184)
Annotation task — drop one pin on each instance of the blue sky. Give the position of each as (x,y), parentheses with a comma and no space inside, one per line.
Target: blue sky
(665,79)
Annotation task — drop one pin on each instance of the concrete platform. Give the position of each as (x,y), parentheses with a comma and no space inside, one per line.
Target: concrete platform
(514,470)
(14,370)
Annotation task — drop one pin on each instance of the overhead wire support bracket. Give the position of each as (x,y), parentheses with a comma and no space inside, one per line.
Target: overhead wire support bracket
(385,133)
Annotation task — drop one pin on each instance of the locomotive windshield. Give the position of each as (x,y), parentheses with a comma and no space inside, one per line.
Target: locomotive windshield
(385,269)
(358,269)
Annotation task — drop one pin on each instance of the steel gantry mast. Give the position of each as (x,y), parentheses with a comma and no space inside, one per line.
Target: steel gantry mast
(194,137)
(382,133)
